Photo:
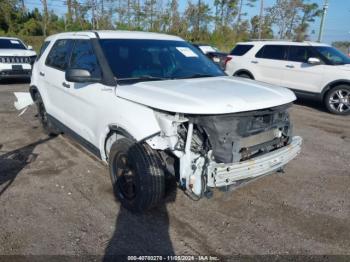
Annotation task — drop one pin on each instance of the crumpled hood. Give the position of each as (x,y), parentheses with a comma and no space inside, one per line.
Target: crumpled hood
(17,52)
(211,95)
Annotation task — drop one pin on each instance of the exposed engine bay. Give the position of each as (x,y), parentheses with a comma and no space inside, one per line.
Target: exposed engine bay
(213,149)
(238,137)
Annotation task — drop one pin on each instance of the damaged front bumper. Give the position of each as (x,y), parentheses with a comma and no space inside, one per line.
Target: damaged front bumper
(220,175)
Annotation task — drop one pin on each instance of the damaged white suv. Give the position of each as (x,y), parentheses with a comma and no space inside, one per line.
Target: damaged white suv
(151,106)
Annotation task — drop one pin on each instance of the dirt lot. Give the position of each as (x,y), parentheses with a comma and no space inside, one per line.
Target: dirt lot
(55,198)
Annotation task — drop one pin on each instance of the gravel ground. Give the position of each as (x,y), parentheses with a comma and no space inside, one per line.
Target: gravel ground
(55,198)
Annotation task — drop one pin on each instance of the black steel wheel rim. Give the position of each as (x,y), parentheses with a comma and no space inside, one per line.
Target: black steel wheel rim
(125,176)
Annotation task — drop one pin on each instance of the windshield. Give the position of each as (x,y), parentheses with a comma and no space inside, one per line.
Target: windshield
(11,44)
(333,55)
(141,60)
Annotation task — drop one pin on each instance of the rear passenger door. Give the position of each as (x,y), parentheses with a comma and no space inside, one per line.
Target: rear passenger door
(300,75)
(269,61)
(53,78)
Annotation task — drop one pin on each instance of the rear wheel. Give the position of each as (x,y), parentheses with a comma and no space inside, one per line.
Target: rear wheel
(48,127)
(337,100)
(137,175)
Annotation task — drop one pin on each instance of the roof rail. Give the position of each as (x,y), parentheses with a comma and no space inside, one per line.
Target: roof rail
(286,40)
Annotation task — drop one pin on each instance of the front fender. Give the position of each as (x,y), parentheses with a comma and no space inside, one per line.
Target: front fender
(137,123)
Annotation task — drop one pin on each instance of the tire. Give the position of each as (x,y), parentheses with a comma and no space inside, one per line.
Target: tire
(244,75)
(337,100)
(137,175)
(48,127)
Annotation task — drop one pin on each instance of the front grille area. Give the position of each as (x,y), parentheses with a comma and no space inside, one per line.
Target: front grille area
(15,59)
(241,136)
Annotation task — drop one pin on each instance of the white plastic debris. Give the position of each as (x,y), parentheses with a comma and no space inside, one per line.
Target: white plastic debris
(24,100)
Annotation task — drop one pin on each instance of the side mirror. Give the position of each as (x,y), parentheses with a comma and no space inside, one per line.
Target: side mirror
(314,61)
(80,76)
(30,47)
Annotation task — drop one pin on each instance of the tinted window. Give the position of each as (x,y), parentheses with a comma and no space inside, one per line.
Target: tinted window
(42,49)
(333,55)
(137,58)
(83,57)
(59,53)
(299,54)
(11,44)
(276,52)
(240,50)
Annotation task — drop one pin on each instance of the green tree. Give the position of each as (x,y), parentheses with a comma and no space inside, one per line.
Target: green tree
(310,11)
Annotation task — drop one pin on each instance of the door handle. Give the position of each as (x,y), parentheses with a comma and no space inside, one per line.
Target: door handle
(66,85)
(289,66)
(41,73)
(254,62)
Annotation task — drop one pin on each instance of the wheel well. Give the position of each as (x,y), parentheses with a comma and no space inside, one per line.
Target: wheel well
(332,85)
(244,71)
(115,133)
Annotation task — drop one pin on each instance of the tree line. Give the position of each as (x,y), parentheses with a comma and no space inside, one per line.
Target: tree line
(222,23)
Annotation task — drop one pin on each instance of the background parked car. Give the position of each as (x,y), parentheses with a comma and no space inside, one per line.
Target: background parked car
(16,58)
(311,70)
(214,54)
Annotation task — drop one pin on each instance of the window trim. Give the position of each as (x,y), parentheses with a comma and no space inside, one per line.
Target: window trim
(69,54)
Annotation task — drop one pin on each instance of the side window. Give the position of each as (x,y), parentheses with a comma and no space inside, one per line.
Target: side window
(240,50)
(275,52)
(59,53)
(42,49)
(298,54)
(83,57)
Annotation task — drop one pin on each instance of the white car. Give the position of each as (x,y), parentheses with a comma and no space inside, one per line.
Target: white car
(311,70)
(16,58)
(152,105)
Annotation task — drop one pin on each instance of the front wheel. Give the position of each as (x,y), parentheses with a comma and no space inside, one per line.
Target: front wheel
(337,100)
(137,175)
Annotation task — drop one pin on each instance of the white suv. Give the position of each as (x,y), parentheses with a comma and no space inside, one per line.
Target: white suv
(152,106)
(16,58)
(311,70)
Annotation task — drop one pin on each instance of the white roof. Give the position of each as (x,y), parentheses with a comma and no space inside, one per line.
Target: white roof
(117,34)
(277,42)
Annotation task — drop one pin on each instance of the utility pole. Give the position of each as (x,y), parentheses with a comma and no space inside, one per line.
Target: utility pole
(261,18)
(324,13)
(45,17)
(198,18)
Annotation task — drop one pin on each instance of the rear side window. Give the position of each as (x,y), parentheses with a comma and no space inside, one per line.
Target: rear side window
(240,50)
(42,49)
(275,52)
(83,57)
(59,53)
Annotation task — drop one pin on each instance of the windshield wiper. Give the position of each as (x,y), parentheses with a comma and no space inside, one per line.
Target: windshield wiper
(195,76)
(142,78)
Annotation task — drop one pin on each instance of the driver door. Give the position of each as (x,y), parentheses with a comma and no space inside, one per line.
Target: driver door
(86,99)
